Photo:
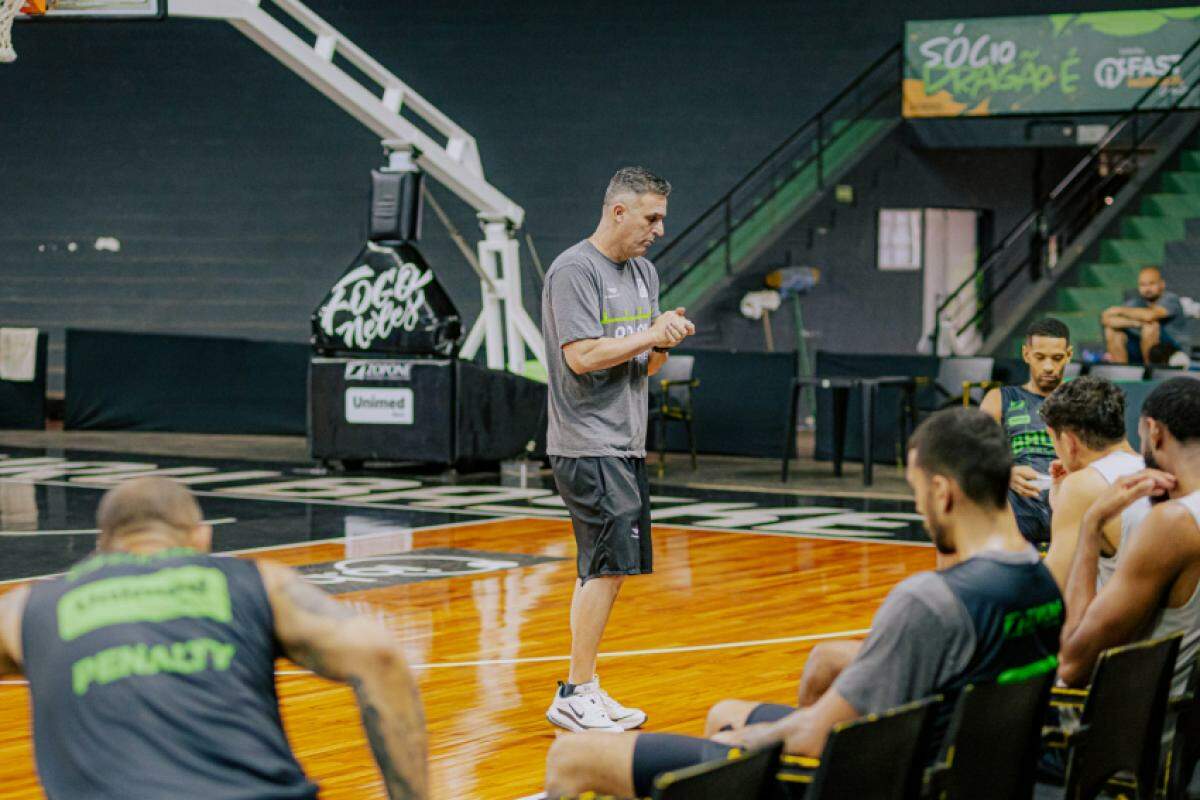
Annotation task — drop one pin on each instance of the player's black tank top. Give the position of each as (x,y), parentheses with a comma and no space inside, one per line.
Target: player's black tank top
(1016,610)
(1027,435)
(154,677)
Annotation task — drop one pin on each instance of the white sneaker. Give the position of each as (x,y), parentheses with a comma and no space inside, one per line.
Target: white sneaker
(627,718)
(580,711)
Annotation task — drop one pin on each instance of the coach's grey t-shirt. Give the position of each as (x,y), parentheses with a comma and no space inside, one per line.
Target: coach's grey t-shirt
(589,296)
(922,638)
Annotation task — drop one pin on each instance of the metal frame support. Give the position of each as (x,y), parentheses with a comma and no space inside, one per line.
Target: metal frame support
(503,323)
(454,163)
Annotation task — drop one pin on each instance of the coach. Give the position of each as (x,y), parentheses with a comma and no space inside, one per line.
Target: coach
(600,307)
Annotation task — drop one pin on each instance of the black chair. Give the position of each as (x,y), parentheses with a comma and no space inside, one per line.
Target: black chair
(1185,746)
(1117,372)
(749,776)
(878,757)
(958,380)
(671,400)
(992,744)
(1164,373)
(1120,730)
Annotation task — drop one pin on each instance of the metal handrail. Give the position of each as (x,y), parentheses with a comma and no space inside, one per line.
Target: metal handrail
(724,204)
(1069,183)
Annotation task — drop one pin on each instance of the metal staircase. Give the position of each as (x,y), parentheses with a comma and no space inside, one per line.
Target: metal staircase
(782,187)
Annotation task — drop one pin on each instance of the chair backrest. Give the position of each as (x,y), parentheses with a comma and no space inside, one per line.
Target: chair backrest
(1185,746)
(992,743)
(1117,372)
(881,756)
(952,372)
(1165,373)
(750,776)
(1123,717)
(1073,370)
(677,368)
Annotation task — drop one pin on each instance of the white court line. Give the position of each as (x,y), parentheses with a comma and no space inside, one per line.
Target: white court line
(369,536)
(523,514)
(268,548)
(657,651)
(221,521)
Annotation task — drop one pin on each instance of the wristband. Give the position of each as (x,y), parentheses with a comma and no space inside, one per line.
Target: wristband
(661,349)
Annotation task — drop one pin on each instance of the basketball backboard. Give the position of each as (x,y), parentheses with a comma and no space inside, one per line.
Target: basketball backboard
(99,9)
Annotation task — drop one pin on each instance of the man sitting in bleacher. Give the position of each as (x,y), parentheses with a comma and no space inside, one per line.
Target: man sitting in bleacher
(1086,421)
(1152,316)
(1155,589)
(996,614)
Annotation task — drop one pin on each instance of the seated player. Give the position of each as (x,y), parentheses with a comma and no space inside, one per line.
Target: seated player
(151,665)
(1047,351)
(935,632)
(1155,588)
(1086,421)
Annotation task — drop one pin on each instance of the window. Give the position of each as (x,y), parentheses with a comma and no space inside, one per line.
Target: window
(899,245)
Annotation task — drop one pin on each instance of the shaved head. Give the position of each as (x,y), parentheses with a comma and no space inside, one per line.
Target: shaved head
(147,505)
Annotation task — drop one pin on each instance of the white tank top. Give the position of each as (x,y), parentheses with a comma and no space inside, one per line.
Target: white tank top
(1113,467)
(1186,618)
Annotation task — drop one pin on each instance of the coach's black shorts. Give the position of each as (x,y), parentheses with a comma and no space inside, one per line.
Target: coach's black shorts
(656,753)
(609,501)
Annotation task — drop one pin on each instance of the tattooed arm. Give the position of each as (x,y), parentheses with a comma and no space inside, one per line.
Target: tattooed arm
(336,642)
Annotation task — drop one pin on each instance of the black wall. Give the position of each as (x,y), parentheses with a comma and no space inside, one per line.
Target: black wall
(238,192)
(857,308)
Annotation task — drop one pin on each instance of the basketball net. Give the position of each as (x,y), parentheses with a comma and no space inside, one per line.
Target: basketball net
(8,13)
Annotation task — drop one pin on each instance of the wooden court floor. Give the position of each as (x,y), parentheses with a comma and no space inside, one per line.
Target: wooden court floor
(488,648)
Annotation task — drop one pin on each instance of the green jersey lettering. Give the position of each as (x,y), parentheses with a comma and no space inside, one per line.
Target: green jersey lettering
(1026,621)
(180,658)
(191,591)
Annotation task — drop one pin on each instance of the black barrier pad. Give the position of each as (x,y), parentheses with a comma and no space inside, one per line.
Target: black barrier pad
(185,384)
(23,404)
(740,405)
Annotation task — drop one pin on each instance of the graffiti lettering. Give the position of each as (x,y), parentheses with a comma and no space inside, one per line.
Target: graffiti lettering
(378,304)
(959,51)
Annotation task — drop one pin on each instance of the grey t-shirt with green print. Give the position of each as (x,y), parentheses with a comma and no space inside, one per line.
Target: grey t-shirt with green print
(589,296)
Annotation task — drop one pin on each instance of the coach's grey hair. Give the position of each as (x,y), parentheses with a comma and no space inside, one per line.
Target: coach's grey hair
(635,181)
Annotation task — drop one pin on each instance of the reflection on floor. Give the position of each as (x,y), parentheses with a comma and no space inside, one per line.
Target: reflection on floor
(475,578)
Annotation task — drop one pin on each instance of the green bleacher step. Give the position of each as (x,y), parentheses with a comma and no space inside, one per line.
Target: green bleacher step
(1190,159)
(1088,298)
(1084,325)
(1171,205)
(1184,182)
(1120,275)
(1131,251)
(1167,229)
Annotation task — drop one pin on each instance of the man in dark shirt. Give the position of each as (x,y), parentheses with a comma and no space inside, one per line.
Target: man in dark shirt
(995,615)
(1154,315)
(1047,351)
(151,665)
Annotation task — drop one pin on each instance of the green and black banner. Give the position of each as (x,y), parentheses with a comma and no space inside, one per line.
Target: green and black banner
(1053,64)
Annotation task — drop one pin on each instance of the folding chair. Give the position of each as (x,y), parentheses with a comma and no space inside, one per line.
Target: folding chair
(1164,373)
(965,378)
(992,743)
(1185,746)
(1117,372)
(881,757)
(672,401)
(1121,726)
(748,776)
